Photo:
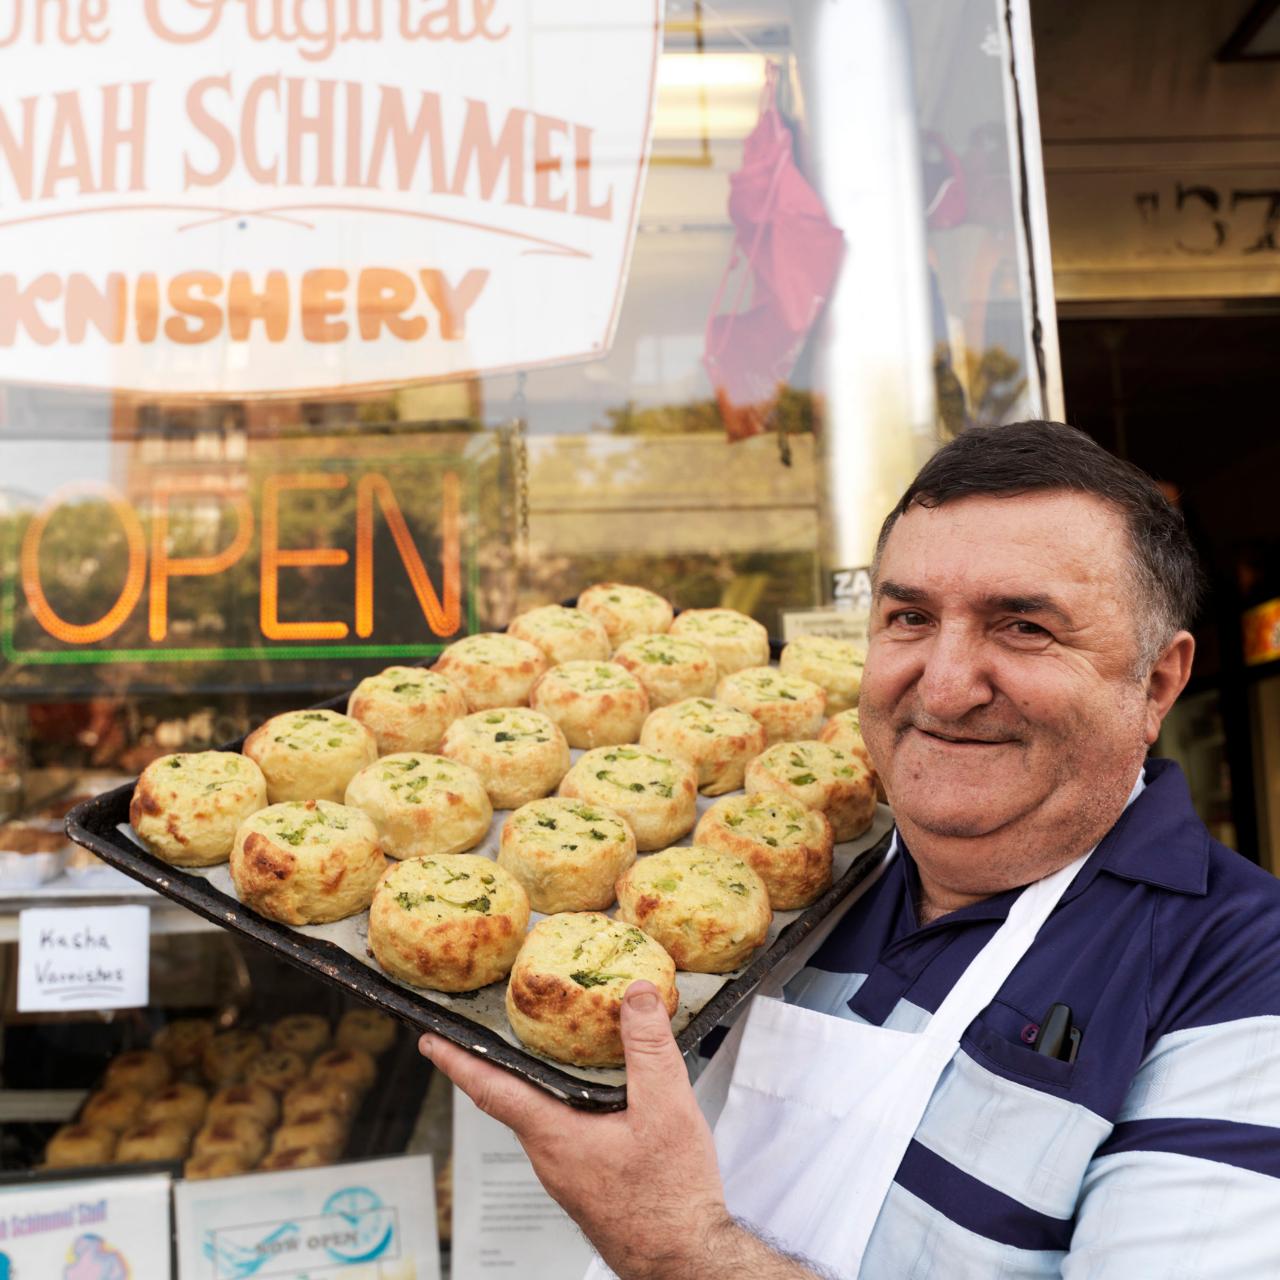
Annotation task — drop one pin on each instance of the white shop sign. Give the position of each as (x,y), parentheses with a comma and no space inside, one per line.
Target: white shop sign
(235,196)
(373,1219)
(77,958)
(107,1229)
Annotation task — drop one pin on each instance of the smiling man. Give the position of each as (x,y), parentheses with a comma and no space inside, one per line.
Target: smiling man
(1046,1040)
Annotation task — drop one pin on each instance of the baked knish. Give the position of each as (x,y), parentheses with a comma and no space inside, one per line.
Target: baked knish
(822,777)
(116,1107)
(519,754)
(249,1101)
(141,1069)
(303,1033)
(626,611)
(322,1130)
(183,1040)
(186,807)
(655,795)
(566,853)
(844,730)
(180,1103)
(671,668)
(492,669)
(788,707)
(318,1095)
(564,999)
(307,862)
(451,923)
(406,708)
(277,1070)
(596,704)
(293,1158)
(227,1056)
(310,755)
(235,1136)
(735,640)
(351,1069)
(564,635)
(834,664)
(717,739)
(708,909)
(422,804)
(221,1164)
(366,1029)
(788,845)
(79,1144)
(153,1140)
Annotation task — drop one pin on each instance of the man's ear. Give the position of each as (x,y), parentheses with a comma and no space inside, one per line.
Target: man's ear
(1167,679)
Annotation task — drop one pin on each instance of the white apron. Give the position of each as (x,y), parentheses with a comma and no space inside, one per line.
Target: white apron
(812,1114)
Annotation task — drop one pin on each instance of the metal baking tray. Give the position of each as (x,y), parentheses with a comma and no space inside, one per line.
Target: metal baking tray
(338,953)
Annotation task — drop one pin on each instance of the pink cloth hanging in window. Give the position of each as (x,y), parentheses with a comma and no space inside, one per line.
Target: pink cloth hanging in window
(788,248)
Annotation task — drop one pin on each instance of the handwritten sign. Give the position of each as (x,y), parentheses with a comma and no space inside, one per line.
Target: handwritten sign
(83,958)
(232,196)
(373,1217)
(86,1230)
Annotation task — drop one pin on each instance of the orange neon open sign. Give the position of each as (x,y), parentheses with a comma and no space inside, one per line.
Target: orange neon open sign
(312,597)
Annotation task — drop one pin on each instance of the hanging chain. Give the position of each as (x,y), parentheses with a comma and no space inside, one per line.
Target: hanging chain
(520,406)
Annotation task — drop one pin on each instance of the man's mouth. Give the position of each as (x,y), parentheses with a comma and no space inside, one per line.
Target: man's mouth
(961,740)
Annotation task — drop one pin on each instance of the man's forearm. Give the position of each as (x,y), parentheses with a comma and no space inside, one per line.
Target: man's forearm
(725,1250)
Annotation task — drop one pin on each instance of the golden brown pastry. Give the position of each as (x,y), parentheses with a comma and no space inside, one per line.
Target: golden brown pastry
(788,845)
(153,1140)
(655,795)
(114,1107)
(323,1130)
(596,704)
(319,1095)
(564,635)
(625,611)
(407,708)
(220,1165)
(366,1029)
(293,1158)
(519,754)
(247,1102)
(735,640)
(277,1070)
(305,1034)
(236,1136)
(717,739)
(183,1041)
(80,1144)
(788,707)
(423,805)
(822,777)
(310,755)
(307,862)
(564,999)
(671,668)
(180,1103)
(492,669)
(351,1069)
(707,908)
(844,730)
(566,853)
(451,924)
(834,664)
(186,808)
(227,1056)
(141,1069)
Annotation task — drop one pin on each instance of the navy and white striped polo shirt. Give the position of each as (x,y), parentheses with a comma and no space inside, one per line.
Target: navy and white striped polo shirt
(1157,1152)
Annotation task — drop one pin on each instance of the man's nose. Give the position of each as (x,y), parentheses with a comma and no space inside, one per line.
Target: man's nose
(956,677)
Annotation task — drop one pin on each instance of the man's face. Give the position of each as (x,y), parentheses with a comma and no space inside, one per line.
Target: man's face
(999,701)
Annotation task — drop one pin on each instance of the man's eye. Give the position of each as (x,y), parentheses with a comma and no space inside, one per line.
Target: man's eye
(1024,628)
(909,618)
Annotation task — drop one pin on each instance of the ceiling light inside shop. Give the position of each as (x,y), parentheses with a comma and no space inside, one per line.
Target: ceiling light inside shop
(714,95)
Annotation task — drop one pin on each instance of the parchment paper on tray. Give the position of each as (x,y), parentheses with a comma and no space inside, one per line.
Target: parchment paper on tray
(485,1007)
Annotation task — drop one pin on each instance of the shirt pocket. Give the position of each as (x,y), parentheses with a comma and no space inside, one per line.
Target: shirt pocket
(992,1040)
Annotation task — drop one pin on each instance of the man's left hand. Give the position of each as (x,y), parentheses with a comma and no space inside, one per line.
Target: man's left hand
(641,1183)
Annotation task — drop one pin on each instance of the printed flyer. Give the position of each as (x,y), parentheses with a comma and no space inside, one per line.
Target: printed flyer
(372,1220)
(106,1229)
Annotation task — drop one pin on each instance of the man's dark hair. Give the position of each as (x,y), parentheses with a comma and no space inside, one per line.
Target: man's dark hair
(1029,457)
